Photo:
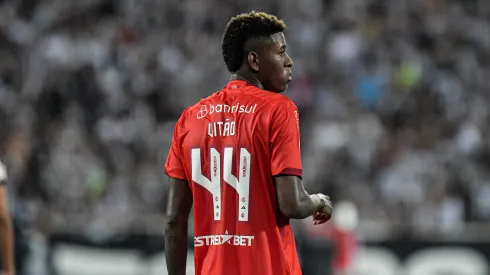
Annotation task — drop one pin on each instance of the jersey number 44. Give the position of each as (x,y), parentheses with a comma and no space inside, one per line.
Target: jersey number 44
(213,185)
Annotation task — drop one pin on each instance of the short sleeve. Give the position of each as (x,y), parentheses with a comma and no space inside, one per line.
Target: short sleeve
(174,167)
(285,141)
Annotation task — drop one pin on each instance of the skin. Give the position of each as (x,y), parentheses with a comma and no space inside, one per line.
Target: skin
(178,208)
(6,235)
(269,67)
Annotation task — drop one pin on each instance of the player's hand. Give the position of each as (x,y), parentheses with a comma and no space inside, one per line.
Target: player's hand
(325,213)
(7,273)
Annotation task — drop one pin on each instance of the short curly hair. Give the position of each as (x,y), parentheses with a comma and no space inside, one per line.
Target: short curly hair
(243,27)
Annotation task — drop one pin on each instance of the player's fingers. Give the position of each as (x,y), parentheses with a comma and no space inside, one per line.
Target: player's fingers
(327,215)
(321,216)
(318,222)
(318,215)
(322,222)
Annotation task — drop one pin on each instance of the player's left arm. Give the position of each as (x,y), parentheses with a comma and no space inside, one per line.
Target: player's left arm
(178,208)
(6,229)
(294,202)
(179,204)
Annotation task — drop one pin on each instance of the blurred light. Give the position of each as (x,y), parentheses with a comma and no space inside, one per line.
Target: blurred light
(345,215)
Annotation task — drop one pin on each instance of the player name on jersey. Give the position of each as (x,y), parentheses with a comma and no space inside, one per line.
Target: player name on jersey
(221,128)
(214,240)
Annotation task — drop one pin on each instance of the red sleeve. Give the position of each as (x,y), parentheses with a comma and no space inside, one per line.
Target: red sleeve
(285,147)
(174,167)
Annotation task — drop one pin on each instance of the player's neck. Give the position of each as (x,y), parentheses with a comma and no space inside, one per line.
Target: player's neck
(249,78)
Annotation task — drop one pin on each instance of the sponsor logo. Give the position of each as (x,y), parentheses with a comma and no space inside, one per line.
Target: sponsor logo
(203,112)
(224,108)
(225,239)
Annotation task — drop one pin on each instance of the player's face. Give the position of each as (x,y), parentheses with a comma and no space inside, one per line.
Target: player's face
(275,65)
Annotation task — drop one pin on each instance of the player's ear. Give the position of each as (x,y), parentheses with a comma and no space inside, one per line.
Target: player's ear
(253,61)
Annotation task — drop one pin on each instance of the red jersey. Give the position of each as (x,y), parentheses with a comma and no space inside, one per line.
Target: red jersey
(228,147)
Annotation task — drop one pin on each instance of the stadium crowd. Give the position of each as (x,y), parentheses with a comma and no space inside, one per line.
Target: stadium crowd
(393,98)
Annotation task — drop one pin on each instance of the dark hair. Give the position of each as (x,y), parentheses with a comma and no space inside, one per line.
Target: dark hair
(243,27)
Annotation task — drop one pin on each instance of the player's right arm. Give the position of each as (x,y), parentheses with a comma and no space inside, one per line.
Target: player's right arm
(294,201)
(6,231)
(178,208)
(179,204)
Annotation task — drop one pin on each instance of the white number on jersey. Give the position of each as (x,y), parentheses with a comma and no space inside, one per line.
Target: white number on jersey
(213,185)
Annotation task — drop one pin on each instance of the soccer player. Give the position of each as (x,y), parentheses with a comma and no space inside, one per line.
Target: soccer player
(6,231)
(236,156)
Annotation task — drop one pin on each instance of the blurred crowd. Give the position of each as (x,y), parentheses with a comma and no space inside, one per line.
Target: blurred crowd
(393,98)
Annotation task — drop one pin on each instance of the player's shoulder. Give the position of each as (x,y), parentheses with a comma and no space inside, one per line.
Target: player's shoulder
(266,100)
(197,110)
(280,102)
(281,99)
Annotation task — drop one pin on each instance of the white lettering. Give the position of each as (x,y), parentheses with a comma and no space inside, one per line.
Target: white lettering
(221,129)
(250,108)
(236,241)
(209,239)
(249,240)
(226,131)
(198,242)
(224,108)
(242,240)
(219,123)
(217,240)
(232,128)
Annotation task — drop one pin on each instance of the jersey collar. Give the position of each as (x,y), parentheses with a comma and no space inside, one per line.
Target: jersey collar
(237,84)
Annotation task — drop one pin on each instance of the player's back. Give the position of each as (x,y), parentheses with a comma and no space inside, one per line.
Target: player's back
(227,154)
